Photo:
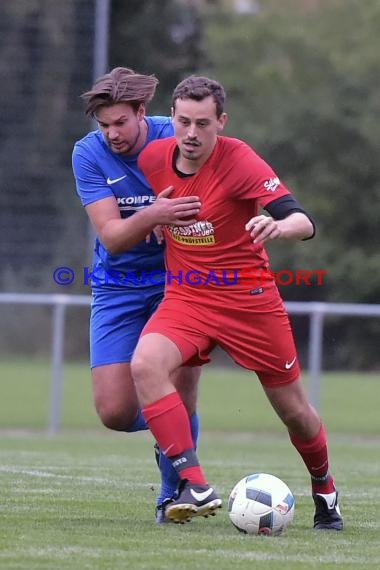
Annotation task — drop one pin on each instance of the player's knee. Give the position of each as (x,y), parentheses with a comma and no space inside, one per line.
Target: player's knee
(142,367)
(114,418)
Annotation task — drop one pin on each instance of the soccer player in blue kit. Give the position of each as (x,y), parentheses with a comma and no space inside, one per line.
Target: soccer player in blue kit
(128,255)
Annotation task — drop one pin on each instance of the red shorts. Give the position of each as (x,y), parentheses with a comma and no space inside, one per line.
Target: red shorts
(253,329)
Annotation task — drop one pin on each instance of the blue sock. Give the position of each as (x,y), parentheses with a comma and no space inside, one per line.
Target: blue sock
(194,426)
(169,476)
(138,423)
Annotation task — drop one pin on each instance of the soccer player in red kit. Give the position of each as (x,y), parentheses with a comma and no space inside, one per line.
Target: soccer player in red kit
(219,292)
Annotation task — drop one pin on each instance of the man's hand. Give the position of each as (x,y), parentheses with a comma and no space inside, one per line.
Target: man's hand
(177,211)
(295,226)
(159,233)
(263,228)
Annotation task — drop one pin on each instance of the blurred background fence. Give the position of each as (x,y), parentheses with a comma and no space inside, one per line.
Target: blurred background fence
(58,304)
(302,78)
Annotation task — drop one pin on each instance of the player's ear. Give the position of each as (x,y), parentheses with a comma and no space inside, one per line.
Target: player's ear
(172,111)
(222,120)
(141,112)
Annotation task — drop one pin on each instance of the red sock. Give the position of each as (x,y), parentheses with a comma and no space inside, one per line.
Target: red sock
(315,456)
(193,474)
(168,421)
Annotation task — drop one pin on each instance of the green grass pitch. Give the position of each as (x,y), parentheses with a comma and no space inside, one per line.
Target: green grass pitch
(85,499)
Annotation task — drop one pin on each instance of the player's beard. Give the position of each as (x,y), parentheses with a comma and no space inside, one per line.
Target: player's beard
(192,151)
(127,147)
(136,140)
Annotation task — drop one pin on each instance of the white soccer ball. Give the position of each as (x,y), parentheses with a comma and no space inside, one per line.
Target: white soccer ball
(261,504)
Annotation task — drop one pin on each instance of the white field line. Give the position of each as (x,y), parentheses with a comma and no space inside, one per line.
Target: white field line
(76,478)
(368,493)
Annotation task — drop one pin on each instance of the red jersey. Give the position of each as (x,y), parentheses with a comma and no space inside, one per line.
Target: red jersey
(217,251)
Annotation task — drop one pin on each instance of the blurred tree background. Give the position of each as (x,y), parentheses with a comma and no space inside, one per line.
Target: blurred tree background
(302,79)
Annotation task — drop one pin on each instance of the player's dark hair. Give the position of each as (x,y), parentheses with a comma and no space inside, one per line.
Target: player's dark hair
(121,85)
(198,88)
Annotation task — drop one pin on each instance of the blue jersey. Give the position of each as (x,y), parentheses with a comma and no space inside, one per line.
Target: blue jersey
(100,173)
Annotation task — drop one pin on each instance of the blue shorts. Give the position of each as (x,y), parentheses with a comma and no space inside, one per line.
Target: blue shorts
(117,319)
